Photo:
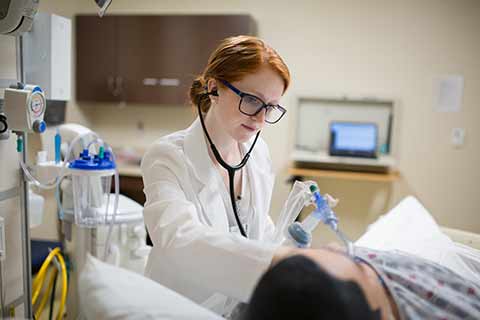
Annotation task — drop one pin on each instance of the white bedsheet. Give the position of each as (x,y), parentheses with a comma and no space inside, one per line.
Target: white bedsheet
(410,228)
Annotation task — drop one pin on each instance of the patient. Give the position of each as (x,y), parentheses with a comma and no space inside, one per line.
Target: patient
(327,284)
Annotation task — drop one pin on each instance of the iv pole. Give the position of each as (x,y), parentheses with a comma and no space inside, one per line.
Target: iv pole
(25,223)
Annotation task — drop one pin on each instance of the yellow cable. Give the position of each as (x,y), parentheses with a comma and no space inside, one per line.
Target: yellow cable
(39,280)
(41,275)
(46,294)
(38,288)
(64,286)
(45,264)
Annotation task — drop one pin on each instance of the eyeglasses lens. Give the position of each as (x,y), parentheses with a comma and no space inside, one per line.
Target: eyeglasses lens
(250,105)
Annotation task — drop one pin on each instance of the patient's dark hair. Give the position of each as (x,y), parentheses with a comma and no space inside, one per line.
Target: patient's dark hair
(298,288)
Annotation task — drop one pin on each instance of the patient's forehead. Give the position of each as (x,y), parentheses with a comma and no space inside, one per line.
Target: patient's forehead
(336,262)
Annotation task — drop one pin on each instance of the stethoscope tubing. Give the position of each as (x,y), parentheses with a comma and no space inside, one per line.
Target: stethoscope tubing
(231,170)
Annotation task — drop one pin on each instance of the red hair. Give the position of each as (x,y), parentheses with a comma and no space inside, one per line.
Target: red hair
(232,60)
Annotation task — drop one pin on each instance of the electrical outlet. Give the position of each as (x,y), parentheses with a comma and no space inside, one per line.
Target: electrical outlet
(458,137)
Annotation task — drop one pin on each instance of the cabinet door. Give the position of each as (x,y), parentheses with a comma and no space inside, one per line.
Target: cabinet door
(207,31)
(151,51)
(147,59)
(205,34)
(159,56)
(96,60)
(132,187)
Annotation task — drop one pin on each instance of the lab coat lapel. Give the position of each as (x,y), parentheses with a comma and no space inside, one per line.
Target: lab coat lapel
(208,194)
(197,153)
(261,181)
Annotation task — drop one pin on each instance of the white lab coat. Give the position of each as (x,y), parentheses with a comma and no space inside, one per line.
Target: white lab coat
(194,253)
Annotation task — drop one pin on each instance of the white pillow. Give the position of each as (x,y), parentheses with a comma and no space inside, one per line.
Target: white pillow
(410,228)
(109,292)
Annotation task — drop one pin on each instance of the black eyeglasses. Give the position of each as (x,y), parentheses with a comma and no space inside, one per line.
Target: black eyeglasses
(251,105)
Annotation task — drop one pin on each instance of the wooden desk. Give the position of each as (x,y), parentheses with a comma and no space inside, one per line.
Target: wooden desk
(346,175)
(129,170)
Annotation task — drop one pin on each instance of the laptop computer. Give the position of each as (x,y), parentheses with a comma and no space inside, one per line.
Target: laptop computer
(353,139)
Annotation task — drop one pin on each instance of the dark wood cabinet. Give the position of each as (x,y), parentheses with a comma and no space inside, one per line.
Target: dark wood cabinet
(95,54)
(132,187)
(148,59)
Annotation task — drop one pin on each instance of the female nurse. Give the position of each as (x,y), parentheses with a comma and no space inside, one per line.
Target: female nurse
(208,187)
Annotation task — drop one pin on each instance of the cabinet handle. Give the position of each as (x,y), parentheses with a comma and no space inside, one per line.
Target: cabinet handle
(169,82)
(163,82)
(118,86)
(150,82)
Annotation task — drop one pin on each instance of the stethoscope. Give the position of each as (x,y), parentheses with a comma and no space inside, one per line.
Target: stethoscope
(230,169)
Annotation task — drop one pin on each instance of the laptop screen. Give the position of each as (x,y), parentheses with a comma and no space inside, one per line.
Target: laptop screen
(353,139)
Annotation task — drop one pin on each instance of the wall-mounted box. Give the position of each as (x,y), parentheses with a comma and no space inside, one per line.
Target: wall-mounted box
(47,50)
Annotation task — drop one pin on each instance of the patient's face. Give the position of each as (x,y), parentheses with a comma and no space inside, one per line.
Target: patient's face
(339,265)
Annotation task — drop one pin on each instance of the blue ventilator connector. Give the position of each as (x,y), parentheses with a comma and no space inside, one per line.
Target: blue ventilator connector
(322,213)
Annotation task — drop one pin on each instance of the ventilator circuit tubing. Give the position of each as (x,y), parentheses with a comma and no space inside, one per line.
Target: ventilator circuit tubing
(52,183)
(115,208)
(324,213)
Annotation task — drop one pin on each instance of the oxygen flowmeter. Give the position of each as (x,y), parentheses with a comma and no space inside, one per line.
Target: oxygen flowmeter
(24,108)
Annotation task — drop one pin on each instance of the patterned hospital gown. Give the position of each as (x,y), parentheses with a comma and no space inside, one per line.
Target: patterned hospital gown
(423,289)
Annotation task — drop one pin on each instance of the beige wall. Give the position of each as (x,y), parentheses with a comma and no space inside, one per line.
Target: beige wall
(384,49)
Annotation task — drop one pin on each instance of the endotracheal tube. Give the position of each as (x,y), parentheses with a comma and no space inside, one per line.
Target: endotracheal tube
(324,213)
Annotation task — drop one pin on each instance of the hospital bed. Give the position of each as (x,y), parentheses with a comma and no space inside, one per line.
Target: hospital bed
(463,237)
(108,292)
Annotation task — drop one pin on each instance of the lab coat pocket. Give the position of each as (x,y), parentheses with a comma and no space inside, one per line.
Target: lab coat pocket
(213,208)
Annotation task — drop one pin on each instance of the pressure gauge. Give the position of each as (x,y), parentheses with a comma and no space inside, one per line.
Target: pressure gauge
(25,107)
(37,104)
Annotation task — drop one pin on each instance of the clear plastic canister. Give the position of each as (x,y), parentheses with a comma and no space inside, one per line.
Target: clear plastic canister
(91,190)
(92,180)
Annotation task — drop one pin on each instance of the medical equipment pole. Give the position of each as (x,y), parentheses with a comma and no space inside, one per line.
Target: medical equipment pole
(25,225)
(2,268)
(3,314)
